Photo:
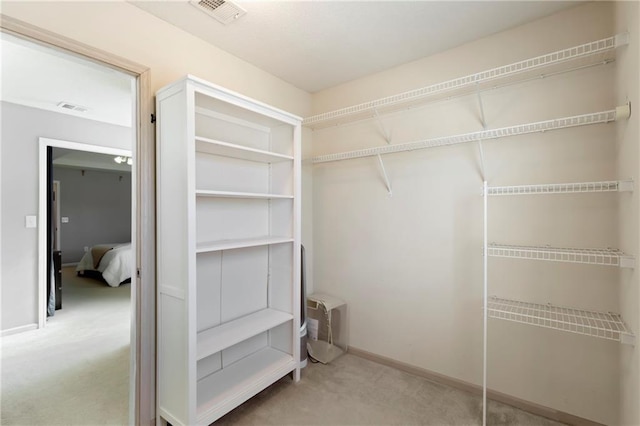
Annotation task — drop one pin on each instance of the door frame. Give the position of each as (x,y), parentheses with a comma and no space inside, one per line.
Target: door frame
(142,405)
(55,213)
(44,219)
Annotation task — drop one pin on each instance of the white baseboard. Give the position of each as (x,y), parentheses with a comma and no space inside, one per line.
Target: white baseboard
(17,330)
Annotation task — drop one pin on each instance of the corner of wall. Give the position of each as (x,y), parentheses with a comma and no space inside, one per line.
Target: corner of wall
(627,89)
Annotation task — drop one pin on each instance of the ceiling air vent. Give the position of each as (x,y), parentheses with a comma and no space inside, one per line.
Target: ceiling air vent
(72,107)
(223,11)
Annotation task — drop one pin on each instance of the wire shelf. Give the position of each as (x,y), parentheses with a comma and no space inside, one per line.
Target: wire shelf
(562,188)
(521,129)
(604,325)
(473,81)
(608,257)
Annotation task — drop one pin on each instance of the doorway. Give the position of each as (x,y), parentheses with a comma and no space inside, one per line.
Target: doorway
(142,361)
(46,236)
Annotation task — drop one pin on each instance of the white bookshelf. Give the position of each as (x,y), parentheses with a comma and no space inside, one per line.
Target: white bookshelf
(209,246)
(228,205)
(232,194)
(216,339)
(220,392)
(224,149)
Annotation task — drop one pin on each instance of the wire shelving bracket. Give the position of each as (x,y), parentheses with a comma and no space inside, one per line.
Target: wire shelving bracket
(384,175)
(483,121)
(385,134)
(467,83)
(604,325)
(387,137)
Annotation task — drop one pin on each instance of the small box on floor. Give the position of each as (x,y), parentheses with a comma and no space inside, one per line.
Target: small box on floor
(327,327)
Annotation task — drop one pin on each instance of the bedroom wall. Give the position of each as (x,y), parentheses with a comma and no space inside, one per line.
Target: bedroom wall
(98,205)
(21,128)
(410,266)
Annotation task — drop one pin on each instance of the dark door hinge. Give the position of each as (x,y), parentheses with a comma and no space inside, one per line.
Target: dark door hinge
(153,118)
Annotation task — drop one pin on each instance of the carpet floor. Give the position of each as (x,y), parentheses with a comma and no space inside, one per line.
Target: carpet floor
(74,371)
(355,391)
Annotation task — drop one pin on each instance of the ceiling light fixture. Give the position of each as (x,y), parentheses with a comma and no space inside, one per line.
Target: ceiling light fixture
(122,159)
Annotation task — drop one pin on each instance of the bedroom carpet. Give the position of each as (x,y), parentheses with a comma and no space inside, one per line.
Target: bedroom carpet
(75,371)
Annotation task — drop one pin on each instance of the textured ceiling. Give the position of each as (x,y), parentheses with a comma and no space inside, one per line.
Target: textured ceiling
(315,45)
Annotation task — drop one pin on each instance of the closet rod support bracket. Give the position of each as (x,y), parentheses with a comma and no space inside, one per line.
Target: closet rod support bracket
(625,185)
(621,39)
(627,339)
(627,262)
(623,111)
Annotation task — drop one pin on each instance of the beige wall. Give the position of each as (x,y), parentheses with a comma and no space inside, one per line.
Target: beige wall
(628,89)
(410,266)
(125,30)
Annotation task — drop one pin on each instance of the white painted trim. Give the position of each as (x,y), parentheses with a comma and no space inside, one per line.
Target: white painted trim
(133,328)
(17,330)
(56,186)
(42,210)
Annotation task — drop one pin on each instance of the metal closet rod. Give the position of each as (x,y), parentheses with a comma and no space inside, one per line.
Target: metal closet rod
(532,64)
(621,112)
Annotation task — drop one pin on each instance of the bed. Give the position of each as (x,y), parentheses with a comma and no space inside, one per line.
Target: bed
(113,261)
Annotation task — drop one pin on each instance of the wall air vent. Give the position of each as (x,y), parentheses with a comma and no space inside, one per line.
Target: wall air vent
(71,107)
(223,11)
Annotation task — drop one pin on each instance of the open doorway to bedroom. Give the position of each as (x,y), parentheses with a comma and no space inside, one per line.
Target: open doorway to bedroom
(90,219)
(58,125)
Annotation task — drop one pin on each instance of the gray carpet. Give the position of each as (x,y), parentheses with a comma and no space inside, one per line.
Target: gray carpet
(75,371)
(354,391)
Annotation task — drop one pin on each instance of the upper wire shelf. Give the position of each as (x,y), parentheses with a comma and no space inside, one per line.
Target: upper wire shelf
(592,256)
(562,188)
(592,53)
(604,325)
(520,129)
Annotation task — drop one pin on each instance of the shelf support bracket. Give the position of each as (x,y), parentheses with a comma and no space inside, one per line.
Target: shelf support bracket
(384,175)
(385,133)
(483,121)
(623,112)
(627,339)
(484,127)
(627,261)
(625,185)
